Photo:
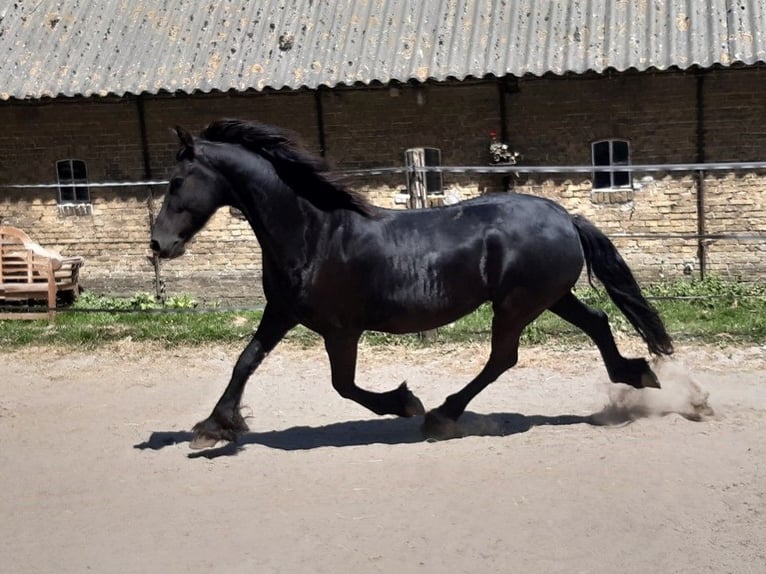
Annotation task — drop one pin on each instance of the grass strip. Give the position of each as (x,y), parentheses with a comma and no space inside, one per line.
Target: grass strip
(710,311)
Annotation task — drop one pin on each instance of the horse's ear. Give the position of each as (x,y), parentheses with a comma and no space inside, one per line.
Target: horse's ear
(187,142)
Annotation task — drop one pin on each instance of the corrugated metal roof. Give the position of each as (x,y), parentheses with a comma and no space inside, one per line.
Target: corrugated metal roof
(80,47)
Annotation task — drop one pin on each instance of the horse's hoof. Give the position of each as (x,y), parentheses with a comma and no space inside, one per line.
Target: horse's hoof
(650,380)
(215,429)
(437,426)
(411,405)
(637,373)
(200,441)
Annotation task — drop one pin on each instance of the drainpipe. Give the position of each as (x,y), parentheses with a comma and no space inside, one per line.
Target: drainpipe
(159,283)
(701,227)
(502,88)
(320,122)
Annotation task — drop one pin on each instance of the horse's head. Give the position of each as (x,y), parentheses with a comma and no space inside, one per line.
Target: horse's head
(195,192)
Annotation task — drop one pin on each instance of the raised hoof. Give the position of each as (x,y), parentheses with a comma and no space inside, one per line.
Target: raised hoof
(211,431)
(411,405)
(437,426)
(650,380)
(637,373)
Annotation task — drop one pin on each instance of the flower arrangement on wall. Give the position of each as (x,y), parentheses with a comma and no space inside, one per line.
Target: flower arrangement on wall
(501,153)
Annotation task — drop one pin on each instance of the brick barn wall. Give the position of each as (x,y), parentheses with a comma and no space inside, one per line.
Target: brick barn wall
(105,135)
(736,131)
(374,127)
(656,114)
(736,203)
(552,121)
(223,261)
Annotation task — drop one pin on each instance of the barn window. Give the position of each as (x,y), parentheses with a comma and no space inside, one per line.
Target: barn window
(73,181)
(610,153)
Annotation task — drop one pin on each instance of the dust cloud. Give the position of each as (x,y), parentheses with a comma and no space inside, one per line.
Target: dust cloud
(679,394)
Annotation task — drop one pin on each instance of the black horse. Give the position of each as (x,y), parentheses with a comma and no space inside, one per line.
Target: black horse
(338,265)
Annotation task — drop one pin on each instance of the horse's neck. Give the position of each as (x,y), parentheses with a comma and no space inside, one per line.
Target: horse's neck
(286,225)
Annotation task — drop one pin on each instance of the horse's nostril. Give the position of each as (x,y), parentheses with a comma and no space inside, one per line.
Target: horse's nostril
(154,245)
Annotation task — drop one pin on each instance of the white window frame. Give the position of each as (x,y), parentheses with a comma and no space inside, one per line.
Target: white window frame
(78,187)
(599,176)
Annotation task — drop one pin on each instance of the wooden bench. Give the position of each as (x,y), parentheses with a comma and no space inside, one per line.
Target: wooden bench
(29,271)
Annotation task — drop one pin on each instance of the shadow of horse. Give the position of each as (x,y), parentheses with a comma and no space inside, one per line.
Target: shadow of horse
(375,431)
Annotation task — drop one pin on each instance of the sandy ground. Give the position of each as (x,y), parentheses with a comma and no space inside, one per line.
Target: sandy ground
(96,474)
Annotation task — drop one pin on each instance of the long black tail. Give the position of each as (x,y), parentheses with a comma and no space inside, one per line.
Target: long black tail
(604,261)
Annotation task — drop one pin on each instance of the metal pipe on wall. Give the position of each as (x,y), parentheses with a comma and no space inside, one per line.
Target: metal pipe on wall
(701,224)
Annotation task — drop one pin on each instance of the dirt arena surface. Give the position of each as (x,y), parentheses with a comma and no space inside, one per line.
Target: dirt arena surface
(559,471)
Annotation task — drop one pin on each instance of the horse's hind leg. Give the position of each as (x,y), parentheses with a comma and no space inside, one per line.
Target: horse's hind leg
(594,322)
(342,351)
(226,422)
(507,326)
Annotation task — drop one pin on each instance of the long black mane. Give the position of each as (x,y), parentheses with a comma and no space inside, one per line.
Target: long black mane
(307,174)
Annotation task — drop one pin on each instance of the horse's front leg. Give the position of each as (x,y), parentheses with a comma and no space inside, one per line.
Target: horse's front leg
(226,422)
(342,351)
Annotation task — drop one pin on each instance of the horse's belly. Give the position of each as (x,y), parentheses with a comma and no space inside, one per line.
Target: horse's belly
(422,304)
(418,320)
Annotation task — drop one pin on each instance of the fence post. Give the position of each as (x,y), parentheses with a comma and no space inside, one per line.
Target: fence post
(416,177)
(159,287)
(417,188)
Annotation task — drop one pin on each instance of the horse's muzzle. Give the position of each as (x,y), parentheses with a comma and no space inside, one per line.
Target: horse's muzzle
(175,249)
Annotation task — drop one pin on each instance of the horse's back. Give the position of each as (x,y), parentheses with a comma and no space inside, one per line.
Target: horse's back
(522,223)
(502,208)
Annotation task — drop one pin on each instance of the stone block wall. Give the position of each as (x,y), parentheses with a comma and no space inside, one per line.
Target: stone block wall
(735,204)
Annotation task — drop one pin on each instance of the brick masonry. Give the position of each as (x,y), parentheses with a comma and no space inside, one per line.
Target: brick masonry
(551,121)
